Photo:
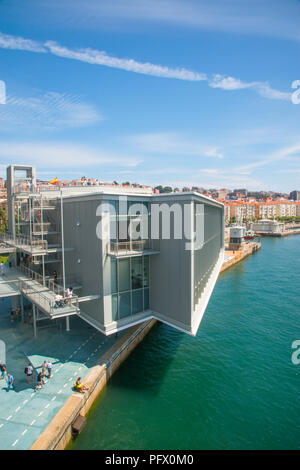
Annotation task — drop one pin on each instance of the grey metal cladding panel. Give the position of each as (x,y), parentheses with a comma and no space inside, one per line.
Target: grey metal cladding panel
(87,248)
(170,280)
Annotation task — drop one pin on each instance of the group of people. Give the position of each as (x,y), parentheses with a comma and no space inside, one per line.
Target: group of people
(5,375)
(40,376)
(2,266)
(60,301)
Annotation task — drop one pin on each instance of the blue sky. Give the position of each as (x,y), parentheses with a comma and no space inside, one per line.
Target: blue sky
(178,92)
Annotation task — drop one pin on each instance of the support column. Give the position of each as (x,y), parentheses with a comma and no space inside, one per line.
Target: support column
(22,308)
(34,321)
(67,323)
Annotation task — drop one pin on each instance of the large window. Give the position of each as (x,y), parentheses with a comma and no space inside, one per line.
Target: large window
(126,215)
(129,286)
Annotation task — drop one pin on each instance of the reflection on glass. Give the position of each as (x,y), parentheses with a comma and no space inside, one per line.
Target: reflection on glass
(146,271)
(124,275)
(146,299)
(125,304)
(137,301)
(136,273)
(113,273)
(114,307)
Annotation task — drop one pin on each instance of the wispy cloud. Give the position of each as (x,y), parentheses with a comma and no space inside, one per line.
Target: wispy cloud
(173,144)
(50,110)
(18,43)
(92,56)
(63,155)
(97,57)
(262,88)
(281,154)
(271,18)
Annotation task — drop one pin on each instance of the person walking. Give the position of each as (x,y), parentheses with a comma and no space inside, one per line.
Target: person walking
(29,373)
(2,268)
(44,369)
(10,382)
(39,381)
(3,370)
(49,369)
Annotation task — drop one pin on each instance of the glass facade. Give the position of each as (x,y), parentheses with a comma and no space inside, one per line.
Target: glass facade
(126,216)
(129,286)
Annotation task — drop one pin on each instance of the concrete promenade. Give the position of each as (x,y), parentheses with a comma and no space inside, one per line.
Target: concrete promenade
(25,414)
(233,257)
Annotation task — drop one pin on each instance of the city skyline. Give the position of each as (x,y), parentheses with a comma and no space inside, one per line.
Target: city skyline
(162,93)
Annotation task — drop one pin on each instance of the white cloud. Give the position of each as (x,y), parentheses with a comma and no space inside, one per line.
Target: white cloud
(271,18)
(49,110)
(61,155)
(262,88)
(101,58)
(18,43)
(97,57)
(281,154)
(174,144)
(228,83)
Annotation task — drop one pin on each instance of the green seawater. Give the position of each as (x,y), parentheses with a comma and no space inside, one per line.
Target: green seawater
(234,386)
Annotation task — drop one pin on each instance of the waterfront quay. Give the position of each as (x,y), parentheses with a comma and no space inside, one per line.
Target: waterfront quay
(235,256)
(285,233)
(24,413)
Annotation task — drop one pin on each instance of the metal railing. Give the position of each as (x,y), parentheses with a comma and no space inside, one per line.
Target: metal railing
(34,284)
(137,246)
(22,241)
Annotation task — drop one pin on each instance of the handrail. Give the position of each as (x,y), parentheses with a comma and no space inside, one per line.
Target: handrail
(18,241)
(130,246)
(49,285)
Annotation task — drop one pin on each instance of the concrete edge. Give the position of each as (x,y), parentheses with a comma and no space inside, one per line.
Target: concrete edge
(58,433)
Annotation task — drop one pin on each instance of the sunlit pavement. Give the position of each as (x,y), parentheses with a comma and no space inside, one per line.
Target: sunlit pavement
(24,413)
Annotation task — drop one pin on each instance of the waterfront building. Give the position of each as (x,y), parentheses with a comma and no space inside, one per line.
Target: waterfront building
(267,226)
(128,254)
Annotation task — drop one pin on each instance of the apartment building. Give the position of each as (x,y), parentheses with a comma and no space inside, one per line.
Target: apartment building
(129,255)
(259,210)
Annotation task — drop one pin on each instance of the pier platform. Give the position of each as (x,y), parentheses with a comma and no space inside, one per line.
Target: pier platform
(233,257)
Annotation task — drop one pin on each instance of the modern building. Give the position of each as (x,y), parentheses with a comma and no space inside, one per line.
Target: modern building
(295,195)
(128,255)
(267,226)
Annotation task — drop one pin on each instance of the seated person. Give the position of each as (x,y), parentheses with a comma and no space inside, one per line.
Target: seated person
(79,387)
(59,300)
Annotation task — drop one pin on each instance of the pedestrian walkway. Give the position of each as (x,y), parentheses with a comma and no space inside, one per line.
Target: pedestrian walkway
(14,282)
(24,414)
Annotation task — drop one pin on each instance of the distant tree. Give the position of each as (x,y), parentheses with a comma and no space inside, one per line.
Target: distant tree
(168,189)
(3,220)
(165,189)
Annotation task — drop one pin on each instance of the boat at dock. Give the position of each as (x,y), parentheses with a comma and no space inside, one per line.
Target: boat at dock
(249,235)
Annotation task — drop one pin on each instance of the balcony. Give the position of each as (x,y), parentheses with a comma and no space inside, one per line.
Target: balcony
(131,248)
(32,246)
